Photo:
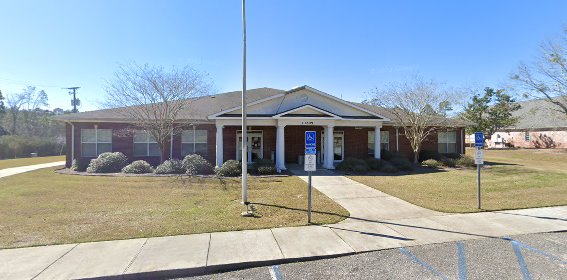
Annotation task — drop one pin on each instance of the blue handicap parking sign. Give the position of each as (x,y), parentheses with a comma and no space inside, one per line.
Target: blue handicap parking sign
(310,139)
(479,139)
(310,151)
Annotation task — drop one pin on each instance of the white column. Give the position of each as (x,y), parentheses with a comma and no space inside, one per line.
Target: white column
(377,142)
(280,147)
(329,145)
(220,149)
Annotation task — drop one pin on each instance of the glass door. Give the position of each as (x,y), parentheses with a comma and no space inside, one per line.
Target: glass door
(338,146)
(255,146)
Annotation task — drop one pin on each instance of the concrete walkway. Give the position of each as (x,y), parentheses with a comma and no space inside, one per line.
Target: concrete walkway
(21,169)
(377,221)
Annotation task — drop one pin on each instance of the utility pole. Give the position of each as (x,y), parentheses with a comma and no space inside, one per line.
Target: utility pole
(75,102)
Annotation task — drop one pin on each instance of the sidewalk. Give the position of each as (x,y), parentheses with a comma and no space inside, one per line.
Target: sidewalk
(377,221)
(21,169)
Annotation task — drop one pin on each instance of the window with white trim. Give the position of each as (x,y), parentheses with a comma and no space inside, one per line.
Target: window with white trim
(384,141)
(194,141)
(95,142)
(145,145)
(447,142)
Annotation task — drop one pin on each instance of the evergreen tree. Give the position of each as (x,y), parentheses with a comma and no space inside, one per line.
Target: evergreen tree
(491,111)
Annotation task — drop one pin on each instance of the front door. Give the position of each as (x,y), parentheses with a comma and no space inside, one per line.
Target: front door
(255,145)
(338,146)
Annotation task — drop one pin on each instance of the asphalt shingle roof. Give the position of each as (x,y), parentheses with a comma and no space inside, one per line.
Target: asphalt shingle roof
(538,114)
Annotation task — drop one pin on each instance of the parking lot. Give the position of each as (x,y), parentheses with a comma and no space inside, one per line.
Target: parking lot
(531,256)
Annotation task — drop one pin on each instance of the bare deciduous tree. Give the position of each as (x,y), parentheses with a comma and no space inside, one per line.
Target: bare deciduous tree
(547,77)
(153,98)
(417,107)
(15,103)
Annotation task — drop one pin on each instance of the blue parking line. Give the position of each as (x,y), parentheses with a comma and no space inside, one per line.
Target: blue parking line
(462,261)
(545,254)
(521,261)
(422,263)
(275,272)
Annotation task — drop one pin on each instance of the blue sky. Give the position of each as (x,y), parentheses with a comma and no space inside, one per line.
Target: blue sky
(345,48)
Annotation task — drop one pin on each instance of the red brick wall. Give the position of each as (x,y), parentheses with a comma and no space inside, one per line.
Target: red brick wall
(124,143)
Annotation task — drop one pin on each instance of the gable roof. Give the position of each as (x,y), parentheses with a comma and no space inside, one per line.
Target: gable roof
(206,108)
(538,114)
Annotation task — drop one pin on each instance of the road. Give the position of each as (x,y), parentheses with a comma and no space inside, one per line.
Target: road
(530,256)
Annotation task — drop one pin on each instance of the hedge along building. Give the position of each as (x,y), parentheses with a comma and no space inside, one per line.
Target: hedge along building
(277,120)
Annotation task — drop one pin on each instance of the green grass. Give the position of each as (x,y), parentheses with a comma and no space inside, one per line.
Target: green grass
(513,179)
(42,207)
(9,163)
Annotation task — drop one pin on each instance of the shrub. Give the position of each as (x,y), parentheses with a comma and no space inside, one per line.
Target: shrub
(80,165)
(402,163)
(431,163)
(373,163)
(197,165)
(353,165)
(388,155)
(426,154)
(267,170)
(230,168)
(388,167)
(15,146)
(449,162)
(108,163)
(171,166)
(138,167)
(465,161)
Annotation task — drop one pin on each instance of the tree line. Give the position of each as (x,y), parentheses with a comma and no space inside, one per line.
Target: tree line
(26,125)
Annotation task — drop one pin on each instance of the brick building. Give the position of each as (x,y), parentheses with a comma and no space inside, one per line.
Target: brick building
(277,120)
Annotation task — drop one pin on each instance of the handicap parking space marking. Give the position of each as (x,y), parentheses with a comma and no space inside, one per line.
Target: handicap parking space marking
(521,261)
(275,272)
(422,263)
(545,254)
(462,261)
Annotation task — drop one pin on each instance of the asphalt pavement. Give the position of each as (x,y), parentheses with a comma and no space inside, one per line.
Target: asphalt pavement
(528,256)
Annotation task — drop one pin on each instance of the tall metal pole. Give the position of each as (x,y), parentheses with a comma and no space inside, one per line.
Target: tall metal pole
(244,127)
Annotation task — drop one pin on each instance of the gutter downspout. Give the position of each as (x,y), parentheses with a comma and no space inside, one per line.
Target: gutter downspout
(72,142)
(171,145)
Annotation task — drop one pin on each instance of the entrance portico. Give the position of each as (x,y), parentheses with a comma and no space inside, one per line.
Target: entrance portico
(293,113)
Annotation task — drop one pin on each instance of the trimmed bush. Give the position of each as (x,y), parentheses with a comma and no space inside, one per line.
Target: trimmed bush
(138,167)
(431,163)
(465,161)
(231,168)
(426,154)
(197,165)
(449,162)
(388,167)
(171,166)
(402,163)
(389,155)
(373,163)
(267,170)
(353,165)
(108,163)
(80,165)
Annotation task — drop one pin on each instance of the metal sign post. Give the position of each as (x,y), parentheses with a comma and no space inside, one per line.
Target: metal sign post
(478,159)
(310,164)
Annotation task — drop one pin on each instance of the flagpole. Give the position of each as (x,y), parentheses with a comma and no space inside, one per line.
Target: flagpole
(244,126)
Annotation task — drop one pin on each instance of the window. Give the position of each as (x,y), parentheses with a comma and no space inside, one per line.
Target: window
(527,137)
(194,142)
(384,141)
(95,142)
(145,145)
(447,142)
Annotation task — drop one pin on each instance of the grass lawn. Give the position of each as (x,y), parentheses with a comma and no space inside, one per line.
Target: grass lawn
(9,163)
(513,179)
(42,207)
